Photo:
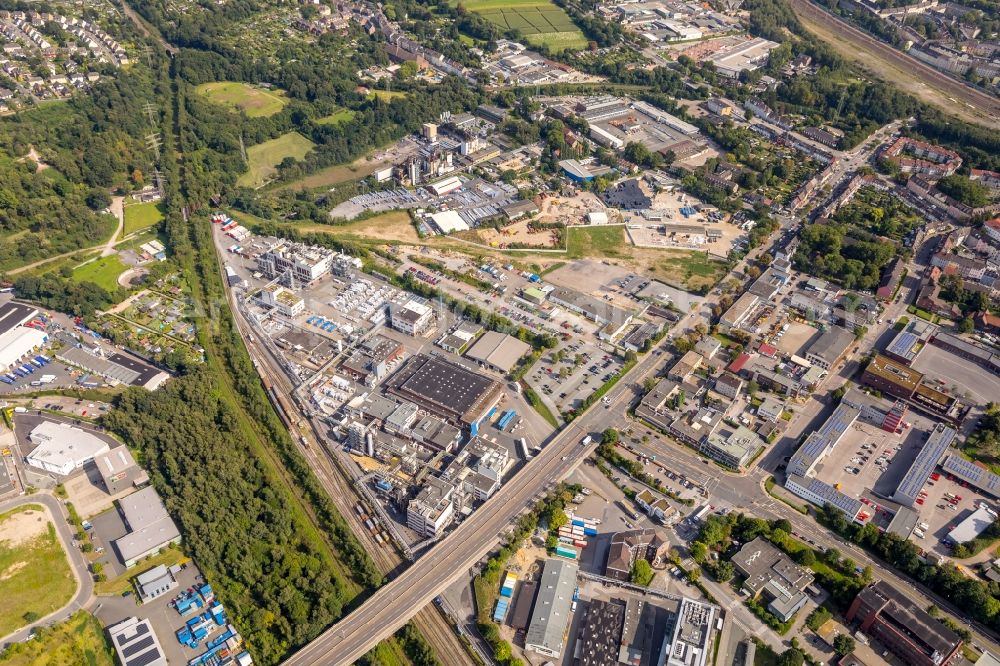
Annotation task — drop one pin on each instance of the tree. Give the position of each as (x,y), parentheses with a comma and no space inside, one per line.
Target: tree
(699,551)
(791,657)
(831,556)
(610,436)
(782,524)
(502,652)
(642,574)
(558,519)
(806,557)
(98,199)
(966,325)
(724,571)
(843,644)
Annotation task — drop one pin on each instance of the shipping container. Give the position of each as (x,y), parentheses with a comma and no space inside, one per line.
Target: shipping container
(577,522)
(589,531)
(567,552)
(579,543)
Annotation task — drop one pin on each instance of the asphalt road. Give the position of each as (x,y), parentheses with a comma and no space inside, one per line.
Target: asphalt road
(85,584)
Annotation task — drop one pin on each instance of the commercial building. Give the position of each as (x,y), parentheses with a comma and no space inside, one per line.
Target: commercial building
(696,426)
(446,388)
(685,366)
(821,493)
(61,448)
(733,448)
(136,643)
(155,583)
(150,528)
(296,264)
(975,524)
(498,351)
(748,56)
(770,409)
(16,340)
(460,337)
(552,608)
(902,627)
(600,633)
(769,572)
(627,547)
(414,317)
(923,465)
(432,509)
(656,406)
(739,312)
(118,470)
(829,347)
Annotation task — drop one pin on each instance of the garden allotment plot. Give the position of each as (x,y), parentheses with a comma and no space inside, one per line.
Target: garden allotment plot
(541,22)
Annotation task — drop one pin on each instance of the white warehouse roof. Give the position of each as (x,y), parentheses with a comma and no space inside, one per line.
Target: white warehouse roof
(61,448)
(449,221)
(17,342)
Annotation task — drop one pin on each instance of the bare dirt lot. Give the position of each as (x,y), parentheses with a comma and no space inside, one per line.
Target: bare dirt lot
(23,526)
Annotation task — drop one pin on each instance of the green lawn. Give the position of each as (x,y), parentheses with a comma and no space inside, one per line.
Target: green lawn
(595,241)
(265,157)
(142,216)
(696,270)
(103,272)
(337,117)
(386,95)
(35,578)
(79,641)
(255,102)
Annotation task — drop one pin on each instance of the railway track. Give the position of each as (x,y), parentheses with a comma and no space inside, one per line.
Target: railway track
(431,623)
(987,107)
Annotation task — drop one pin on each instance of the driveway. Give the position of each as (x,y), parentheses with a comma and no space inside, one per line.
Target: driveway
(84,581)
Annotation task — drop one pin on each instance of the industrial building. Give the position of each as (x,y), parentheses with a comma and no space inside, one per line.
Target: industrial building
(150,528)
(136,643)
(61,448)
(446,388)
(498,351)
(829,347)
(974,474)
(910,341)
(155,583)
(748,56)
(902,627)
(600,633)
(974,524)
(115,369)
(552,608)
(592,308)
(923,465)
(281,300)
(297,265)
(17,341)
(732,447)
(432,509)
(414,317)
(769,572)
(458,339)
(739,312)
(119,471)
(693,627)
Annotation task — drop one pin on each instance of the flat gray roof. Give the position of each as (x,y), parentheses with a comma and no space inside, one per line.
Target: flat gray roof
(552,606)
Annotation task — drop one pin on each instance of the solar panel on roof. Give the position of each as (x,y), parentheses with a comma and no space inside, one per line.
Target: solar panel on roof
(136,646)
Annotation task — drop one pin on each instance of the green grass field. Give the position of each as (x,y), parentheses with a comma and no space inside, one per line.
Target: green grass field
(103,272)
(35,578)
(265,157)
(696,270)
(601,241)
(540,21)
(79,641)
(255,102)
(337,117)
(142,216)
(386,95)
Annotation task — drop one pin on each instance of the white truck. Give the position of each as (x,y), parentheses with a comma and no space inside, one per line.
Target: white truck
(586,440)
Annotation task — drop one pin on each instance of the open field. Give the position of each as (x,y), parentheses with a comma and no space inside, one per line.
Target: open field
(909,74)
(335,175)
(600,241)
(337,117)
(695,270)
(386,95)
(255,102)
(35,578)
(103,271)
(265,157)
(79,641)
(142,216)
(394,226)
(540,21)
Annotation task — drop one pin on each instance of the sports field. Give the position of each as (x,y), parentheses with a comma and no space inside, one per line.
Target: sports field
(103,272)
(540,21)
(142,216)
(255,102)
(265,157)
(337,117)
(35,578)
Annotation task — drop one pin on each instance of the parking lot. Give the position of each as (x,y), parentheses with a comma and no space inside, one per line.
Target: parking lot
(962,377)
(570,373)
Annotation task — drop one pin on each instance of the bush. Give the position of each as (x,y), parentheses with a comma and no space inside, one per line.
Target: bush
(642,574)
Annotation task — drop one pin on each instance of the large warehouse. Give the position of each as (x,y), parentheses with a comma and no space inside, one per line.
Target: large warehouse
(16,340)
(150,526)
(445,388)
(61,448)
